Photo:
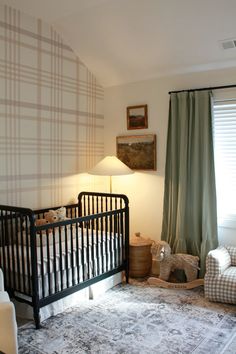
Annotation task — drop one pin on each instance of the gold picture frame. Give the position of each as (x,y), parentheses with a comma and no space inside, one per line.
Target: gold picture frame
(137,117)
(138,152)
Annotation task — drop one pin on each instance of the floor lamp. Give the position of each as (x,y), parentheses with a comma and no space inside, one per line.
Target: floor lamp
(110,166)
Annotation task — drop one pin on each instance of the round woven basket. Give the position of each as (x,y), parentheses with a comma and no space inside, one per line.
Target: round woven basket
(140,258)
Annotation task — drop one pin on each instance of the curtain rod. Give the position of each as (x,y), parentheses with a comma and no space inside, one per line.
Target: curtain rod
(204,88)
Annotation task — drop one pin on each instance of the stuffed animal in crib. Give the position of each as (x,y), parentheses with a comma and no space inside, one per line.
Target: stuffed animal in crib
(40,222)
(51,216)
(61,214)
(56,215)
(161,252)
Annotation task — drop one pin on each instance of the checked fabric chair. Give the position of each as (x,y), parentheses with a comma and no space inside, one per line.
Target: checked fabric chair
(220,277)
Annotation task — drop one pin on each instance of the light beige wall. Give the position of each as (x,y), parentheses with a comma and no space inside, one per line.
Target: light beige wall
(51,115)
(145,190)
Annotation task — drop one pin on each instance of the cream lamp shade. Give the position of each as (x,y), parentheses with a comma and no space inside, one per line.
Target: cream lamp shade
(110,166)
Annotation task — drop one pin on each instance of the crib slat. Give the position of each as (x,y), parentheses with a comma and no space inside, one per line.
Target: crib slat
(88,205)
(13,252)
(27,254)
(92,204)
(110,204)
(106,202)
(82,250)
(102,205)
(92,248)
(110,241)
(42,262)
(77,253)
(84,206)
(60,258)
(17,256)
(114,240)
(87,251)
(122,238)
(66,257)
(106,246)
(97,210)
(97,248)
(23,259)
(8,255)
(48,265)
(102,243)
(4,238)
(118,240)
(72,255)
(54,261)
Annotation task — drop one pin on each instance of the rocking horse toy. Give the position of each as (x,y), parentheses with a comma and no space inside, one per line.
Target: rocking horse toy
(161,252)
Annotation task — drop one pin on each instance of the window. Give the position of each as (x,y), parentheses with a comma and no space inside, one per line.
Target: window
(224,110)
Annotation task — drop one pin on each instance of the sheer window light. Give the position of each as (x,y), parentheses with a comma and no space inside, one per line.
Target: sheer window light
(225,159)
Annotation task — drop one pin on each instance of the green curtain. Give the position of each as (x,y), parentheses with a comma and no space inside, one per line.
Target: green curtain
(189,213)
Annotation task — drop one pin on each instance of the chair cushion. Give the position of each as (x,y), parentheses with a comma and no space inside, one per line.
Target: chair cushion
(4,297)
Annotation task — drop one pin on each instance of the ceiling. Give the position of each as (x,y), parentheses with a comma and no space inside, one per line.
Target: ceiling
(123,41)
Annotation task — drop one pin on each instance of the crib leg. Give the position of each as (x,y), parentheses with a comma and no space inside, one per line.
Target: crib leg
(127,274)
(37,318)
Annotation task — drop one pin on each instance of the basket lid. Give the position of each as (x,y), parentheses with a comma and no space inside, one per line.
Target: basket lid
(138,240)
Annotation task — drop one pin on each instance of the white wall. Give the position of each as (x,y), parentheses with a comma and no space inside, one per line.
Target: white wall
(145,190)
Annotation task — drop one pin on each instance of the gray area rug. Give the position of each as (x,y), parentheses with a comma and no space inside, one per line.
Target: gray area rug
(134,319)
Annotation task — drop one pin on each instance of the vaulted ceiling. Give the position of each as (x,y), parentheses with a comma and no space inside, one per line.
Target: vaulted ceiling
(123,41)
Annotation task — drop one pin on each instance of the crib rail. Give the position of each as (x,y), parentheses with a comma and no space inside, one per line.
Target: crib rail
(45,263)
(93,203)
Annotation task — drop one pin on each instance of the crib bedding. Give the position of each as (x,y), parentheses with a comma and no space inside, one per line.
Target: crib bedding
(46,263)
(104,257)
(60,256)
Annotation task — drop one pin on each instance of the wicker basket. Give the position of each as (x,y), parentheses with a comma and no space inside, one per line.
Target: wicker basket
(140,258)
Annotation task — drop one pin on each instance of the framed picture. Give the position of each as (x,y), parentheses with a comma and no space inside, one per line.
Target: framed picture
(137,151)
(137,117)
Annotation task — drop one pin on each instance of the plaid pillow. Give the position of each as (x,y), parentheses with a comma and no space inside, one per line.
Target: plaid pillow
(217,261)
(232,252)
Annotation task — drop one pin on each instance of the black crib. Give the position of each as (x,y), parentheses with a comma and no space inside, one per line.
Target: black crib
(43,264)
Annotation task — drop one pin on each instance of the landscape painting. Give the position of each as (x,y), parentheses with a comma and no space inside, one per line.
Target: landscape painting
(137,117)
(137,151)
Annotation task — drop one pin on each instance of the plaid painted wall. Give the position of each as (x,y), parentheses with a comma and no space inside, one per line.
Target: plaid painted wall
(51,114)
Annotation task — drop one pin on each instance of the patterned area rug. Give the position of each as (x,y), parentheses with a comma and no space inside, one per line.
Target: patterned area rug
(137,319)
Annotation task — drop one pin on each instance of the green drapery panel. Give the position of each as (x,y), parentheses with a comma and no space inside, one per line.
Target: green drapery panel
(189,213)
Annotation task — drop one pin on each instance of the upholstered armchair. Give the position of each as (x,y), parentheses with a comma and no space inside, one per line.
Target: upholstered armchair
(8,326)
(220,278)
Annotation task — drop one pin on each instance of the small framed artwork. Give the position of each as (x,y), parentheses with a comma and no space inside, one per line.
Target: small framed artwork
(137,117)
(137,151)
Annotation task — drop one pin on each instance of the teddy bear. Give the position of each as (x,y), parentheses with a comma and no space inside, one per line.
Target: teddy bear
(51,216)
(56,215)
(40,222)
